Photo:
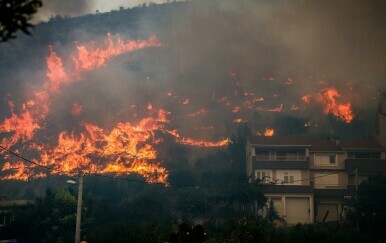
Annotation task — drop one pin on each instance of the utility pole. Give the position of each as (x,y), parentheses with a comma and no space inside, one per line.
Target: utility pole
(79,209)
(356,197)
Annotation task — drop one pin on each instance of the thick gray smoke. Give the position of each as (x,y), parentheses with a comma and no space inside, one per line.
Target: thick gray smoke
(222,54)
(317,44)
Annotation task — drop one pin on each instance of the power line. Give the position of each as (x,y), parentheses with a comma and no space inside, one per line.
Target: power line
(107,176)
(311,178)
(25,159)
(34,163)
(146,182)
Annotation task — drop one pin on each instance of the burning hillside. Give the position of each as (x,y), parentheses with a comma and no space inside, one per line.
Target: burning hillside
(109,104)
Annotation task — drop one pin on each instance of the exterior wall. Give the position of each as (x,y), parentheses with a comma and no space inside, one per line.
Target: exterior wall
(328,181)
(305,175)
(340,158)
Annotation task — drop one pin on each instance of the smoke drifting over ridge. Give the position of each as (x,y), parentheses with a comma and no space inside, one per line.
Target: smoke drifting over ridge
(63,8)
(272,64)
(314,44)
(75,8)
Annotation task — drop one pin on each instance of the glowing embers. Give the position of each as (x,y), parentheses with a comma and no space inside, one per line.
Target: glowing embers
(196,142)
(328,97)
(269,132)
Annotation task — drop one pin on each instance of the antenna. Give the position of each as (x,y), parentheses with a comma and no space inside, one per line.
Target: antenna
(331,121)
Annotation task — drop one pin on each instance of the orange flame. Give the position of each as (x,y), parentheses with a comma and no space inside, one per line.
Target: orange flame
(306,99)
(236,109)
(95,150)
(202,111)
(91,58)
(239,120)
(277,109)
(21,127)
(185,102)
(55,72)
(199,143)
(76,109)
(269,132)
(328,97)
(289,81)
(294,107)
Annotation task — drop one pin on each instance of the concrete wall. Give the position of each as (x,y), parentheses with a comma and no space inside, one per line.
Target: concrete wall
(340,158)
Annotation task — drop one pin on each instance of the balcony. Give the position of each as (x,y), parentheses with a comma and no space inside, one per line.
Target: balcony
(282,164)
(281,158)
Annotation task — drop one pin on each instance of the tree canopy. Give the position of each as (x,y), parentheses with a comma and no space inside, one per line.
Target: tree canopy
(16,15)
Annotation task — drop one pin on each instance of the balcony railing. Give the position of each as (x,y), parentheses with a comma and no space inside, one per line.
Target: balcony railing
(281,164)
(281,158)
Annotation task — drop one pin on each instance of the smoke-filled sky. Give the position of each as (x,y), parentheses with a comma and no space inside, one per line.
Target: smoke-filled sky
(81,7)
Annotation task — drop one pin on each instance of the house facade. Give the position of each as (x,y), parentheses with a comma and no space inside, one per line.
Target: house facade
(283,165)
(311,180)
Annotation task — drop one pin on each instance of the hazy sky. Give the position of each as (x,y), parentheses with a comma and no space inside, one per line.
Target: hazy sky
(81,7)
(104,5)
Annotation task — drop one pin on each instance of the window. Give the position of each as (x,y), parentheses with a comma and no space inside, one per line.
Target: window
(325,160)
(263,174)
(262,154)
(288,178)
(290,155)
(332,159)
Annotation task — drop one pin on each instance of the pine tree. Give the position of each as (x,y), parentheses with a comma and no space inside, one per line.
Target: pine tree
(272,212)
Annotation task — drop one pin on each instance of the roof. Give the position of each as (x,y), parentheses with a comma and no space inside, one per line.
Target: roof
(318,145)
(280,140)
(360,144)
(325,145)
(11,203)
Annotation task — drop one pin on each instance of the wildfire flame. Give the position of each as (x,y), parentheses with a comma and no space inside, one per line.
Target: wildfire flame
(269,132)
(128,147)
(328,97)
(89,58)
(125,149)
